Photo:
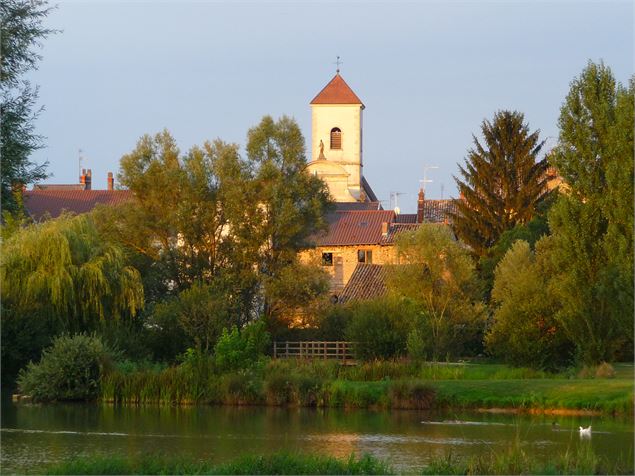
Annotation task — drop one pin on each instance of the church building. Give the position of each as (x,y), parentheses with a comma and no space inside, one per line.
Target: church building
(361,235)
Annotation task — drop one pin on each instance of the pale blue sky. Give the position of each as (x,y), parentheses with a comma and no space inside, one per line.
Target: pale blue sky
(428,73)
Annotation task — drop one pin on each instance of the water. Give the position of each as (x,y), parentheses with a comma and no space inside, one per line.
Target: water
(35,435)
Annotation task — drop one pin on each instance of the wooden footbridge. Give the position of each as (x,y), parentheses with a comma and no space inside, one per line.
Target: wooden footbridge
(313,349)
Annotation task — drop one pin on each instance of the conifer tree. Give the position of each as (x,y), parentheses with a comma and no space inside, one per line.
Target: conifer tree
(502,183)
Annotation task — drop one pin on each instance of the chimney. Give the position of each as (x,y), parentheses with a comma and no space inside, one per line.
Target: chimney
(88,180)
(420,206)
(82,178)
(111,181)
(384,229)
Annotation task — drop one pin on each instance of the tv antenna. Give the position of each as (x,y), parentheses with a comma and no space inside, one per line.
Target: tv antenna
(425,176)
(394,199)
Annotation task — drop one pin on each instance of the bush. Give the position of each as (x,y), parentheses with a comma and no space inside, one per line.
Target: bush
(69,370)
(379,328)
(241,349)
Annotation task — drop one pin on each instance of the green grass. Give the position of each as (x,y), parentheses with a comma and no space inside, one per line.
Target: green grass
(608,395)
(513,460)
(279,463)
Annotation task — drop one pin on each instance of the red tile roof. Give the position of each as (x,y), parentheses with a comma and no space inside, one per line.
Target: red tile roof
(337,92)
(368,281)
(359,227)
(51,203)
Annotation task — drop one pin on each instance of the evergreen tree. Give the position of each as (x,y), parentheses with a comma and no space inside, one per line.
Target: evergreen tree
(20,31)
(502,184)
(592,224)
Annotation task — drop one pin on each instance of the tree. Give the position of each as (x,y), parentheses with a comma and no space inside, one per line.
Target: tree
(21,31)
(297,293)
(291,204)
(189,217)
(592,224)
(503,181)
(524,330)
(437,274)
(65,271)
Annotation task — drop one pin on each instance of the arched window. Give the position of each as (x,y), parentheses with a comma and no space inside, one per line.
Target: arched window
(336,138)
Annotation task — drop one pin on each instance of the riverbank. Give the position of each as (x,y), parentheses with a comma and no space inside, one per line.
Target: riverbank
(512,461)
(402,387)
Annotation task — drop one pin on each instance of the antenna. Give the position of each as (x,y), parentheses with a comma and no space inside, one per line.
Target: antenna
(394,199)
(442,187)
(425,176)
(79,160)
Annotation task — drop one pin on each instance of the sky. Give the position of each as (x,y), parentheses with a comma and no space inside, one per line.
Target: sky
(428,73)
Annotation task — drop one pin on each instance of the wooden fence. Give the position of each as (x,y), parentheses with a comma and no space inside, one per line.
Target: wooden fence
(340,350)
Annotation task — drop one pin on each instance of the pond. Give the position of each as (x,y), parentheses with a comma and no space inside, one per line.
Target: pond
(33,435)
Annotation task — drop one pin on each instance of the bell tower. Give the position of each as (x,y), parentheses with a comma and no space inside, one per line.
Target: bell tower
(336,141)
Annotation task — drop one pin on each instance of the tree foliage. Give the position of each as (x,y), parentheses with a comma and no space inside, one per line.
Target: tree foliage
(524,330)
(213,217)
(63,269)
(438,274)
(592,224)
(21,32)
(503,181)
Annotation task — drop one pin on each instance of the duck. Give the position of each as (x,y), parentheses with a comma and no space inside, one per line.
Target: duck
(585,431)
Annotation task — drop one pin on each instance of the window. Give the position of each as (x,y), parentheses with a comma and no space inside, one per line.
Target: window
(365,256)
(327,259)
(336,138)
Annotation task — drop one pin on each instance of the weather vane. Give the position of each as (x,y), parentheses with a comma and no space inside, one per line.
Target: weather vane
(338,63)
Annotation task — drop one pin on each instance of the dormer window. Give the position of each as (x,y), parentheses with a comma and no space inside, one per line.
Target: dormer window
(336,138)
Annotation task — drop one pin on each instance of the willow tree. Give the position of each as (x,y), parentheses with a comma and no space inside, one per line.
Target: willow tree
(503,181)
(64,270)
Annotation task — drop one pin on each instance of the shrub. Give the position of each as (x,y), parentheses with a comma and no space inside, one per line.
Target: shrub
(69,370)
(379,328)
(241,349)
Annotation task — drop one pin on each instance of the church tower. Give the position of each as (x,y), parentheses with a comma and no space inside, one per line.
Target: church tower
(336,142)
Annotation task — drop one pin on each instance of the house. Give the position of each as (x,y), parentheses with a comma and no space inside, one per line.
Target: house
(51,200)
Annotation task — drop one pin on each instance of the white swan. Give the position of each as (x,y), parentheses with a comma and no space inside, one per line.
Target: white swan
(585,431)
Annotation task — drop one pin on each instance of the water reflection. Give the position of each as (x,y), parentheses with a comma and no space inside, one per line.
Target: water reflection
(35,435)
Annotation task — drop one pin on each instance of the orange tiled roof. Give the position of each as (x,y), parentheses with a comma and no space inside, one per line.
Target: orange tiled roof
(358,227)
(367,282)
(51,203)
(337,92)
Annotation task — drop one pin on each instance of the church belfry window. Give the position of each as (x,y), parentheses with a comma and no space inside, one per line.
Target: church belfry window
(336,138)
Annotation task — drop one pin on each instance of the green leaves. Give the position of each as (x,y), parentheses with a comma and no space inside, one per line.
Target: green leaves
(64,269)
(592,224)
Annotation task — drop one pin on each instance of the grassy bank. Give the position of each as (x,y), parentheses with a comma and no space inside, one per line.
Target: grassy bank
(512,461)
(405,386)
